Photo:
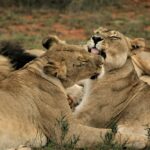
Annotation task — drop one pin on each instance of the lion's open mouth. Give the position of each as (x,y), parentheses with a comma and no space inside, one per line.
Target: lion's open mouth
(95,76)
(94,50)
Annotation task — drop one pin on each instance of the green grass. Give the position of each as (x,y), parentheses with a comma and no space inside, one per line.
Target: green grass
(31,26)
(108,142)
(63,144)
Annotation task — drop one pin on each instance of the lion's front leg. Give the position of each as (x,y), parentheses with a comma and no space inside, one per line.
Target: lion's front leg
(88,136)
(21,147)
(133,137)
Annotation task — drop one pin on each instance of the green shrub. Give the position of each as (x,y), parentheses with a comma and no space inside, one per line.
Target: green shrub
(93,5)
(61,4)
(56,4)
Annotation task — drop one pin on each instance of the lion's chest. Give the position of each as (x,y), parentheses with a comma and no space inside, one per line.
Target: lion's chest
(105,98)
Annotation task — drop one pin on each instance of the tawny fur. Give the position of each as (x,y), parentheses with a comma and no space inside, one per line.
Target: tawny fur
(141,59)
(5,67)
(33,97)
(13,57)
(119,96)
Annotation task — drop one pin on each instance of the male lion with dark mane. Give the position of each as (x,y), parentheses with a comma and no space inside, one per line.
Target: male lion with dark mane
(33,97)
(119,97)
(13,57)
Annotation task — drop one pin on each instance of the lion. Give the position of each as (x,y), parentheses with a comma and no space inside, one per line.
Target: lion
(5,67)
(119,96)
(34,97)
(141,59)
(13,57)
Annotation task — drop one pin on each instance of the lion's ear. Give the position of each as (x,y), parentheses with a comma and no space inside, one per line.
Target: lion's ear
(56,69)
(138,43)
(50,40)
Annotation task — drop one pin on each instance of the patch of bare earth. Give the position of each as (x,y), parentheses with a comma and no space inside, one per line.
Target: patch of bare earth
(69,34)
(147,28)
(26,28)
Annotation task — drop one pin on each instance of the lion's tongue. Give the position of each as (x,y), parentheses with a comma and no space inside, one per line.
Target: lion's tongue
(94,51)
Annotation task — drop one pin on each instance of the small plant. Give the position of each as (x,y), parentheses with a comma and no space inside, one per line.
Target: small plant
(109,142)
(148,131)
(62,144)
(147,128)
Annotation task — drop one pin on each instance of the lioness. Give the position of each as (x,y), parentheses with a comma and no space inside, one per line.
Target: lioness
(141,59)
(13,57)
(119,96)
(33,97)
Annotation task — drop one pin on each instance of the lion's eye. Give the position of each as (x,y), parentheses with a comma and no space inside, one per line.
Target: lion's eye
(84,62)
(114,38)
(81,63)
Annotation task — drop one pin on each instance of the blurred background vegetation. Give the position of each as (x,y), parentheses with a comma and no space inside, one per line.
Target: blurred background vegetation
(60,4)
(28,21)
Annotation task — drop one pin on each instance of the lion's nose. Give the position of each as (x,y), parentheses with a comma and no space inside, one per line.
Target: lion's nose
(96,39)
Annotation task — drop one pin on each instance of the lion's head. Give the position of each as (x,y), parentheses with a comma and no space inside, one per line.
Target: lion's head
(112,45)
(70,63)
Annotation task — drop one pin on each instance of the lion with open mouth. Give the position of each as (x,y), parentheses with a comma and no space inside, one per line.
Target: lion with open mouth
(119,97)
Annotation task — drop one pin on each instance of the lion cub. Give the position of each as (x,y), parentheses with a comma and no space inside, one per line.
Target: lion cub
(33,97)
